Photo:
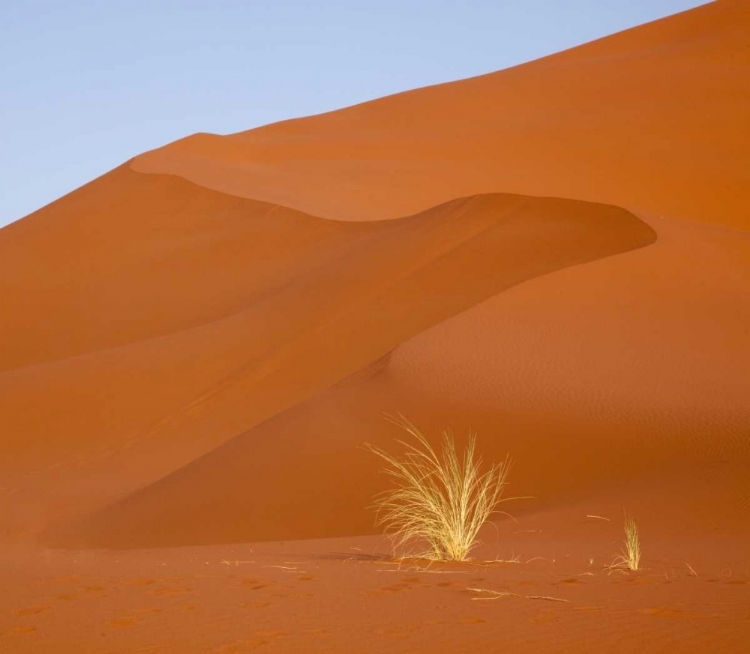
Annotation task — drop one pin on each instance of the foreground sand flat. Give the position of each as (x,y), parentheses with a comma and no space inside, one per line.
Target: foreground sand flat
(347,595)
(195,346)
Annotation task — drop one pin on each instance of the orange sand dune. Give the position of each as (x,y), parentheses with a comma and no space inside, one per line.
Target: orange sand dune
(584,397)
(194,347)
(130,257)
(653,119)
(119,415)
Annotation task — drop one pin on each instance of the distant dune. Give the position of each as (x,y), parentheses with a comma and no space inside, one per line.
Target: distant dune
(653,119)
(195,345)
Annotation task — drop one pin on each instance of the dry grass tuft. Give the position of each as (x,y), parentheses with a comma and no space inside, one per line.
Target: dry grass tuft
(630,557)
(440,499)
(488,594)
(546,598)
(516,558)
(493,594)
(691,570)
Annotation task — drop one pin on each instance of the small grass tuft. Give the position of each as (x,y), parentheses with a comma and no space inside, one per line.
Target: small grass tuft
(442,500)
(691,570)
(630,558)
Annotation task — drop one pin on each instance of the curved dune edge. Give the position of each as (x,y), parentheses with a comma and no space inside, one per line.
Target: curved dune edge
(652,119)
(132,257)
(119,418)
(598,411)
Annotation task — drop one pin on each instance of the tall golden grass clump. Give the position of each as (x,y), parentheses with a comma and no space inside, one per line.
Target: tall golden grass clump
(441,499)
(631,554)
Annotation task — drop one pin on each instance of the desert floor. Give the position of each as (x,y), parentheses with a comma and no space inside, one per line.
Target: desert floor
(349,595)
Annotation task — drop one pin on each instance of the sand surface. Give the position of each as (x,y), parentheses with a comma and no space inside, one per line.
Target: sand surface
(195,346)
(653,119)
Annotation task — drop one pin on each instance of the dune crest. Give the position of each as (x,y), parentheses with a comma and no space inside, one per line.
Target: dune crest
(653,119)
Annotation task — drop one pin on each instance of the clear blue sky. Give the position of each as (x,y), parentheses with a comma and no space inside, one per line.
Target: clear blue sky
(87,84)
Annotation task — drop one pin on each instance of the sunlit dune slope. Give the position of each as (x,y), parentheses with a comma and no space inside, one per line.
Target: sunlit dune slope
(130,257)
(653,119)
(153,360)
(618,383)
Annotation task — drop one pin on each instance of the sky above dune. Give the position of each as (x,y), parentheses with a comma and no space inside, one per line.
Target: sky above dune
(86,85)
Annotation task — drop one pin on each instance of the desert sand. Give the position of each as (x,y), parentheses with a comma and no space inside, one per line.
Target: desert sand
(195,346)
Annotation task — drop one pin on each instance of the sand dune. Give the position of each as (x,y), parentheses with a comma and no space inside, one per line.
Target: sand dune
(131,257)
(131,412)
(549,370)
(653,119)
(194,346)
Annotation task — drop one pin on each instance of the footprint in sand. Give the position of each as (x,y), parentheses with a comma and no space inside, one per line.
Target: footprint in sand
(254,584)
(259,639)
(242,646)
(32,610)
(392,588)
(123,622)
(639,581)
(21,631)
(170,592)
(69,579)
(472,620)
(545,618)
(149,611)
(666,612)
(398,632)
(318,631)
(404,630)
